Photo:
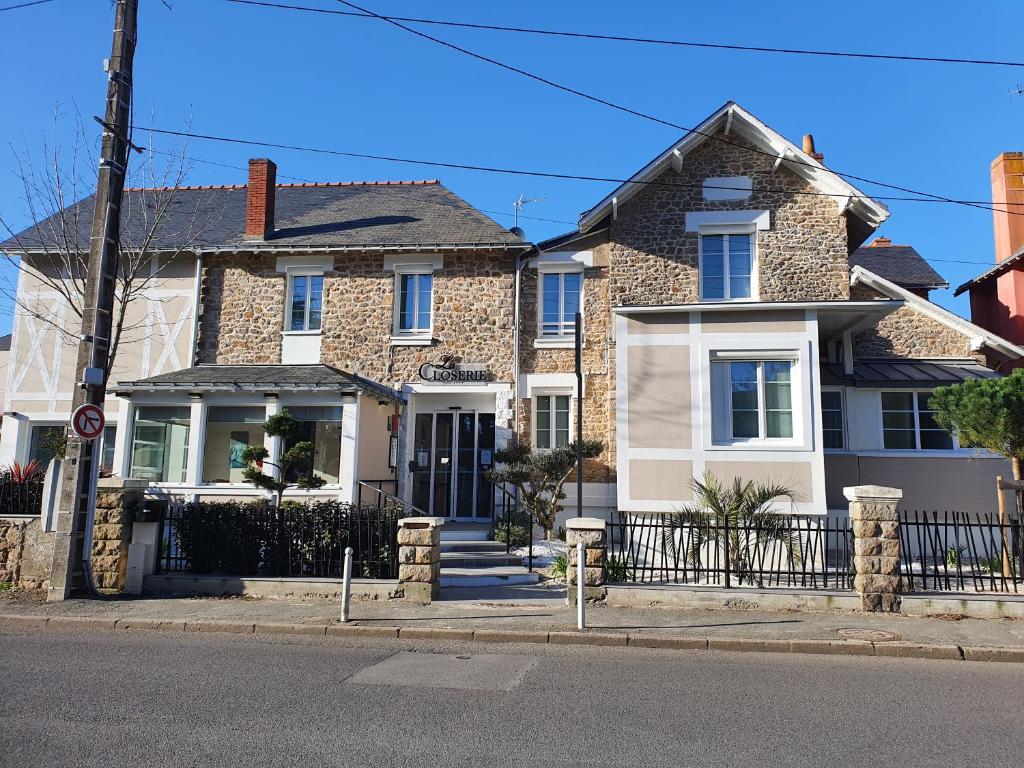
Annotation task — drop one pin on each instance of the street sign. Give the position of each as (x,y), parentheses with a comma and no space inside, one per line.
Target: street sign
(88,421)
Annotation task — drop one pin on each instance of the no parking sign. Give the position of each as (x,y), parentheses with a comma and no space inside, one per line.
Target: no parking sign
(88,421)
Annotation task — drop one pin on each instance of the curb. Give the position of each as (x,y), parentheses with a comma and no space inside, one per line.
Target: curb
(896,649)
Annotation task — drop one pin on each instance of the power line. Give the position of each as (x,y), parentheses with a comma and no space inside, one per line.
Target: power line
(646,116)
(983,205)
(644,40)
(521,172)
(24,5)
(391,190)
(480,168)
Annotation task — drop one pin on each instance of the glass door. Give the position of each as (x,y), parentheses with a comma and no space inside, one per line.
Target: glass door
(451,451)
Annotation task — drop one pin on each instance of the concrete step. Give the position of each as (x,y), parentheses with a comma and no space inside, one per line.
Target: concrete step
(478,559)
(465,532)
(487,577)
(472,546)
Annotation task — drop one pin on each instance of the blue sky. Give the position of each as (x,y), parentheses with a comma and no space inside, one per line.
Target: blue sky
(364,86)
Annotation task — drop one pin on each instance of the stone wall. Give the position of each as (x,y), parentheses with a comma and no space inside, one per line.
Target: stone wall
(243,309)
(598,401)
(26,552)
(802,257)
(909,333)
(117,501)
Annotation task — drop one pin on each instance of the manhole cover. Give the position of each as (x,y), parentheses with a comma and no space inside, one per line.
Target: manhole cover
(872,635)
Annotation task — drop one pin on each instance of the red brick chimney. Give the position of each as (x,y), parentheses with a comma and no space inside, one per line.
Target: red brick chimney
(1008,188)
(881,242)
(259,206)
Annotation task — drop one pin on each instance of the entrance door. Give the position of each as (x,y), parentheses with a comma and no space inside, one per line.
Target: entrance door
(451,451)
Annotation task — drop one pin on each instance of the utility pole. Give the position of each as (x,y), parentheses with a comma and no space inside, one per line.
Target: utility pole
(81,465)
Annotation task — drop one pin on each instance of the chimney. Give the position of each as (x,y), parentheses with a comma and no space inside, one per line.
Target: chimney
(809,148)
(1008,195)
(881,242)
(259,204)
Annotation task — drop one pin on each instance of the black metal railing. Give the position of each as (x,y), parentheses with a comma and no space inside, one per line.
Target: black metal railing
(512,522)
(372,493)
(961,552)
(803,552)
(296,540)
(21,498)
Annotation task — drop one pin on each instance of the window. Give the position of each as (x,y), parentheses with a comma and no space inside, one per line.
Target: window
(551,421)
(832,426)
(307,298)
(560,301)
(415,296)
(756,398)
(160,443)
(726,266)
(46,441)
(320,425)
(908,423)
(229,431)
(109,439)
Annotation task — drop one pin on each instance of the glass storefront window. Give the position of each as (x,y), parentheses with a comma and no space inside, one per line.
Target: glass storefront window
(160,443)
(320,425)
(229,431)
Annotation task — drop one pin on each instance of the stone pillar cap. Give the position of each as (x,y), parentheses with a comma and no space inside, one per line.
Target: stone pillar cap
(871,492)
(421,522)
(585,524)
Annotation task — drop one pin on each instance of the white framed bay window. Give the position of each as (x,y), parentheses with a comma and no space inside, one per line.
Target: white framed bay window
(305,301)
(552,416)
(561,297)
(756,398)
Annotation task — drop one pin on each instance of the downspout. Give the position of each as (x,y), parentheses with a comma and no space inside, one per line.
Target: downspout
(521,263)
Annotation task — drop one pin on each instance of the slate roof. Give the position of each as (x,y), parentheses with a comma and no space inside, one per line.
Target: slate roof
(889,373)
(342,215)
(1013,262)
(206,378)
(901,264)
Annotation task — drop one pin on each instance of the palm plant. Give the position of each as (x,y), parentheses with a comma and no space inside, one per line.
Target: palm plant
(736,518)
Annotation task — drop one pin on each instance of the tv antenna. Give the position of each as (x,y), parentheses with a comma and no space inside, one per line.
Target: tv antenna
(1017,90)
(522,201)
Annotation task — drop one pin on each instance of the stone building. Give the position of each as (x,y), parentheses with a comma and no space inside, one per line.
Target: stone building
(733,322)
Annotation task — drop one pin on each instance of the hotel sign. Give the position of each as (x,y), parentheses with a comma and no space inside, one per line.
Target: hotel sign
(448,371)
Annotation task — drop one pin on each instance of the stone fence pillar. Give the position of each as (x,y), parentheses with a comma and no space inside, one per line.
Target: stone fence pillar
(591,531)
(876,542)
(117,500)
(419,557)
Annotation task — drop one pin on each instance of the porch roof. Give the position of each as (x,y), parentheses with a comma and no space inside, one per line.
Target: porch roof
(262,378)
(889,374)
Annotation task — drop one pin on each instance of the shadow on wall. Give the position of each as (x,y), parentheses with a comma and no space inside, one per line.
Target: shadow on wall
(343,226)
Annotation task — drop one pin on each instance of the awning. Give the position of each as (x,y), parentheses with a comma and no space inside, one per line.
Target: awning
(910,374)
(260,378)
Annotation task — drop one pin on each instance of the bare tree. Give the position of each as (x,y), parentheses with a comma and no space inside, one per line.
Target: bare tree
(57,184)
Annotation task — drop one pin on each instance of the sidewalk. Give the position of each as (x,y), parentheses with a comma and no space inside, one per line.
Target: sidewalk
(540,615)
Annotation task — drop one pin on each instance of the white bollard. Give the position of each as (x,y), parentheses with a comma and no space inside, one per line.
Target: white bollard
(581,565)
(346,584)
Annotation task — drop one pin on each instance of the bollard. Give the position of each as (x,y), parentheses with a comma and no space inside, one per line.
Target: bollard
(346,584)
(581,564)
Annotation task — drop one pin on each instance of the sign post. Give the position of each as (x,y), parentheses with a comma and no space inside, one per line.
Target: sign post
(579,415)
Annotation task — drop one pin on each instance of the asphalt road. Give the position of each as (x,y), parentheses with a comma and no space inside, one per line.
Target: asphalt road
(143,698)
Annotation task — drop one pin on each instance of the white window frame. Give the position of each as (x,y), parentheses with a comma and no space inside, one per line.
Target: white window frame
(567,331)
(800,440)
(917,426)
(551,426)
(843,414)
(303,272)
(727,232)
(415,335)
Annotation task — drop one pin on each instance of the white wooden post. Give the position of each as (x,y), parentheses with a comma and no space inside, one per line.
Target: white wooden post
(581,600)
(346,585)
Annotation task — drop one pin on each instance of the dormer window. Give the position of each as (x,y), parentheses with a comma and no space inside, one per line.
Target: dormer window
(726,266)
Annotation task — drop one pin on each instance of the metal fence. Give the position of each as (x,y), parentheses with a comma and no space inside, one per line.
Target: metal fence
(784,551)
(960,552)
(295,540)
(20,498)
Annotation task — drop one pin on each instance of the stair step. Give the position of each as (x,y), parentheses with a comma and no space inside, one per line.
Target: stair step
(472,546)
(478,559)
(486,577)
(465,532)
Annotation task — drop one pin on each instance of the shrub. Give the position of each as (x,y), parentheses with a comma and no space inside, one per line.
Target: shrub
(615,570)
(558,566)
(520,534)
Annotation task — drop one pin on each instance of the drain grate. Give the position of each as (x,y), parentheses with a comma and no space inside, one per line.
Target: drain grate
(871,635)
